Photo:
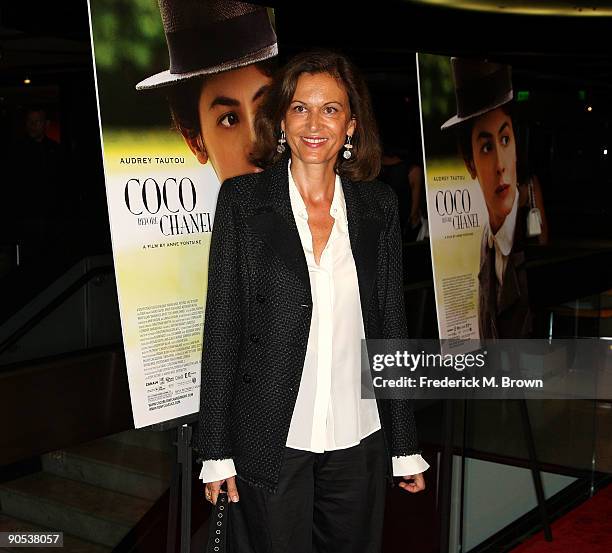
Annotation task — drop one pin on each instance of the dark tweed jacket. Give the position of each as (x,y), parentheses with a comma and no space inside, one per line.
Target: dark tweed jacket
(505,313)
(258,313)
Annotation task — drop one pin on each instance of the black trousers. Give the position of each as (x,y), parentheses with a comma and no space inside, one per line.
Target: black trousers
(330,502)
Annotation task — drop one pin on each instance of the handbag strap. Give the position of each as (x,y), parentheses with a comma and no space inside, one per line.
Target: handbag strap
(217,527)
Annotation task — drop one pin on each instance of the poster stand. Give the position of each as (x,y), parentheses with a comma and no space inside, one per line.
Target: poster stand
(446,468)
(535,469)
(181,476)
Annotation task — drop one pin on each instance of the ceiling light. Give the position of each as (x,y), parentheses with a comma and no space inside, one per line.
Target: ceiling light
(541,7)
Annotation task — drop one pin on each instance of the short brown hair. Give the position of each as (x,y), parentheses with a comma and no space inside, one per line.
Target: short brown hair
(184,99)
(364,164)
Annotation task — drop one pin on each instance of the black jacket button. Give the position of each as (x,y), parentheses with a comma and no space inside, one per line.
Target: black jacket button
(246,377)
(260,298)
(254,338)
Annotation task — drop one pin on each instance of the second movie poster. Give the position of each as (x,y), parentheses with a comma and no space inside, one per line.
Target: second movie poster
(480,199)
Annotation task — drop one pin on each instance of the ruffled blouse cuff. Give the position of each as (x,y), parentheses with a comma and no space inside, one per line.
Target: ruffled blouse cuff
(407,465)
(217,469)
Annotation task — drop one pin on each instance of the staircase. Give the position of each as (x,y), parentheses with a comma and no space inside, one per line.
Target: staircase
(94,492)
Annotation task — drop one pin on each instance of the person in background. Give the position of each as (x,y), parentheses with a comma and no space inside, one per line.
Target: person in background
(37,164)
(35,189)
(405,176)
(305,262)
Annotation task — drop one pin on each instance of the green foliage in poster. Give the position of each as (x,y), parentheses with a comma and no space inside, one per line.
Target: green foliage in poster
(437,91)
(128,32)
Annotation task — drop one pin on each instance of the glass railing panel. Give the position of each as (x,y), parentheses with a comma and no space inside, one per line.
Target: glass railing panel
(78,311)
(494,485)
(494,491)
(602,456)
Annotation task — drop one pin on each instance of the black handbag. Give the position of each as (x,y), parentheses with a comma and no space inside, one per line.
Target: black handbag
(218,526)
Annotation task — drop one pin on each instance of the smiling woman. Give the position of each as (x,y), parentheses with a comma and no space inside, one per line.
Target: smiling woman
(318,120)
(325,90)
(305,263)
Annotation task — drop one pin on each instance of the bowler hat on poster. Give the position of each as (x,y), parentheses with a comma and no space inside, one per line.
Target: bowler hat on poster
(209,36)
(480,87)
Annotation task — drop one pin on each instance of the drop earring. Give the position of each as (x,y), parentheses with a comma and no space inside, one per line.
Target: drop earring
(347,148)
(281,143)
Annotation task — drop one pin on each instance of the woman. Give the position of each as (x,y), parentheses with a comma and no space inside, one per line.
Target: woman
(305,262)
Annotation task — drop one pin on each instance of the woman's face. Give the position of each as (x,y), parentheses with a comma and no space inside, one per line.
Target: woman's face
(494,163)
(318,119)
(227,107)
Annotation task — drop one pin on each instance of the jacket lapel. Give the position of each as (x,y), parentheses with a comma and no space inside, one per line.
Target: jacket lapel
(511,290)
(273,220)
(364,231)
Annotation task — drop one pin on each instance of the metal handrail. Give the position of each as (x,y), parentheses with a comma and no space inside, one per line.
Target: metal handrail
(53,305)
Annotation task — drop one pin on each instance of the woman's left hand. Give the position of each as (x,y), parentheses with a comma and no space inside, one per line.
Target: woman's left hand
(417,484)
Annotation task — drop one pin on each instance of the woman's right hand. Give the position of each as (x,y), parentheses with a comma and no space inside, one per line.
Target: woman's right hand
(213,489)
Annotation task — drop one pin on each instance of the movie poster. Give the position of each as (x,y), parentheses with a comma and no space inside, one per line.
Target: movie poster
(176,94)
(477,218)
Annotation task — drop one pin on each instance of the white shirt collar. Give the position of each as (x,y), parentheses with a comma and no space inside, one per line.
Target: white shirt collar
(504,238)
(337,209)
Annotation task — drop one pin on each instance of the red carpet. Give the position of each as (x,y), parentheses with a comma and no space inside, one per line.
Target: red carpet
(586,529)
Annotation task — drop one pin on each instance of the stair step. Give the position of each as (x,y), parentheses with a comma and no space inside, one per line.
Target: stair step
(88,512)
(112,465)
(149,439)
(72,544)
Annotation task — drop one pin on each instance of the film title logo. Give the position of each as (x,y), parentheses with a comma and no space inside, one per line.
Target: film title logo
(170,205)
(454,206)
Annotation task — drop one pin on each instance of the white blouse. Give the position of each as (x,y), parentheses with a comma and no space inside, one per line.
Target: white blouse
(329,412)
